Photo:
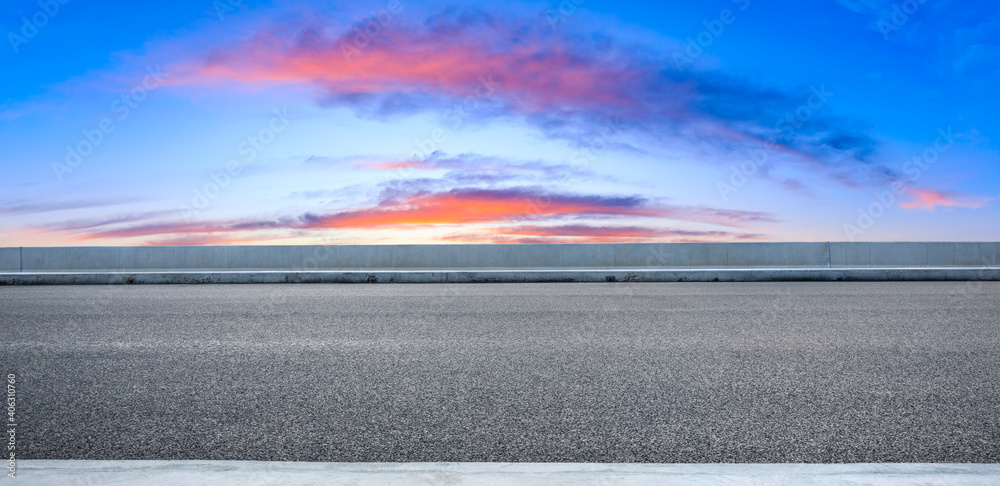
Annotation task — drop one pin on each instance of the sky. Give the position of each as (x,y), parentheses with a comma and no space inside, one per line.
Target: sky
(218,122)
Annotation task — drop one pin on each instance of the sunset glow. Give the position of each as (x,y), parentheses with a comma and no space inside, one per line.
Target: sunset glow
(497,122)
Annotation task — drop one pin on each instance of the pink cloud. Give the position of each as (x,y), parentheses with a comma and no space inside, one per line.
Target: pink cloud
(929,199)
(538,73)
(464,206)
(455,207)
(398,165)
(521,66)
(618,233)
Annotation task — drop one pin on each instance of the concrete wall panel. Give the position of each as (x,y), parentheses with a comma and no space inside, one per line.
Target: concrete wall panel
(644,255)
(850,254)
(364,257)
(254,257)
(697,255)
(975,254)
(191,258)
(100,259)
(940,254)
(903,254)
(43,259)
(309,257)
(147,258)
(784,255)
(803,254)
(586,256)
(534,256)
(414,257)
(10,259)
(478,256)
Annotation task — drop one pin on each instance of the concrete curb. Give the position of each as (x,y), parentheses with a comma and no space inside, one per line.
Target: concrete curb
(510,276)
(252,473)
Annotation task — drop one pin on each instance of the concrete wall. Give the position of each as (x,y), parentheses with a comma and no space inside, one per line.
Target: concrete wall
(499,257)
(10,259)
(887,254)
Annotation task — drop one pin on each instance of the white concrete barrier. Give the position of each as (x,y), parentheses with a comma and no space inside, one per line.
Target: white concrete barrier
(891,254)
(10,260)
(618,256)
(531,262)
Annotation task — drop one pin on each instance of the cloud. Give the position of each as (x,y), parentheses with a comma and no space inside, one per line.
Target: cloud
(511,208)
(602,233)
(9,207)
(929,199)
(568,85)
(93,223)
(592,234)
(441,172)
(198,240)
(475,163)
(444,58)
(465,206)
(177,229)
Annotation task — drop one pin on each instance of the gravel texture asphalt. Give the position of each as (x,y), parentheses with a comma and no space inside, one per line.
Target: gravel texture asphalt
(603,372)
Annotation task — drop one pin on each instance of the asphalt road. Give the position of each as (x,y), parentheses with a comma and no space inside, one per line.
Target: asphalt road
(610,372)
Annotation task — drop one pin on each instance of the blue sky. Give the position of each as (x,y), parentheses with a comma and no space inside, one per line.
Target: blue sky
(224,122)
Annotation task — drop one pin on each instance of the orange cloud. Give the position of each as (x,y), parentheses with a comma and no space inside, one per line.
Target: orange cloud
(478,206)
(456,207)
(461,206)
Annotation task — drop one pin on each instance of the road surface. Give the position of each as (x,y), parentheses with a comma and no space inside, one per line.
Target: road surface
(604,372)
